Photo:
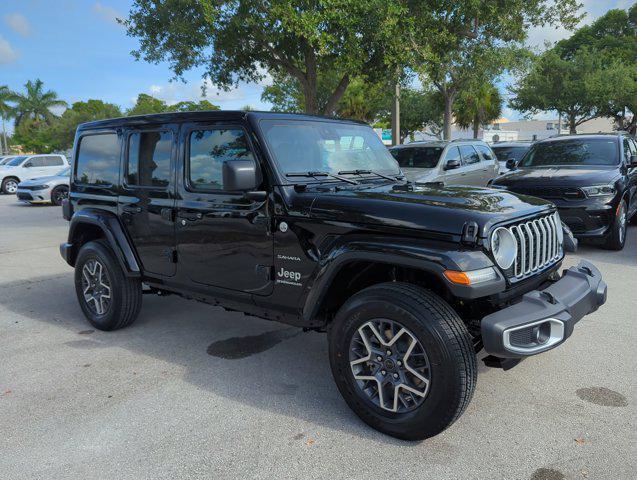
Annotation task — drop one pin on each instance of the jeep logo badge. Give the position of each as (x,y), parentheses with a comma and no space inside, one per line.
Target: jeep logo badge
(288,277)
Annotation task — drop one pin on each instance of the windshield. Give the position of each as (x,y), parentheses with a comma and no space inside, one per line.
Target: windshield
(321,146)
(4,160)
(592,151)
(505,153)
(66,172)
(16,161)
(417,157)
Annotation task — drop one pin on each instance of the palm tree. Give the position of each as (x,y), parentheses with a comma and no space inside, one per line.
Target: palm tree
(478,105)
(6,112)
(36,104)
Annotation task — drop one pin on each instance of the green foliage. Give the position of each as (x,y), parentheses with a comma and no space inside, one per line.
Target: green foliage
(147,104)
(421,110)
(34,135)
(189,106)
(62,130)
(478,105)
(363,100)
(35,103)
(244,40)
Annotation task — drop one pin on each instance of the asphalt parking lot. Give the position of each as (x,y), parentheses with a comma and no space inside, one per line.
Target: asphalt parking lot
(191,391)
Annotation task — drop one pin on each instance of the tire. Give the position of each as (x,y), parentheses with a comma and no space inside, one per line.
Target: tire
(448,350)
(9,186)
(616,239)
(124,300)
(58,194)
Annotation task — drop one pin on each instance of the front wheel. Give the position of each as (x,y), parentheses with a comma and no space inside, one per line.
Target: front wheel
(403,360)
(617,237)
(9,186)
(58,194)
(109,299)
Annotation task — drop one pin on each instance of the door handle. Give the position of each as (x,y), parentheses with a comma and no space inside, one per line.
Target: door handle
(131,209)
(190,216)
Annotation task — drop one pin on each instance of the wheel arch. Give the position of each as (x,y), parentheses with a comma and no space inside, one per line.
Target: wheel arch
(89,225)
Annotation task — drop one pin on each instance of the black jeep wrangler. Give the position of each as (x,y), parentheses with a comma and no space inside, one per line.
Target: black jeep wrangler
(309,221)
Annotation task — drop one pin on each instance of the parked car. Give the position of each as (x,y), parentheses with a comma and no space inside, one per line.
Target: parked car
(458,162)
(506,151)
(308,221)
(24,167)
(54,188)
(591,178)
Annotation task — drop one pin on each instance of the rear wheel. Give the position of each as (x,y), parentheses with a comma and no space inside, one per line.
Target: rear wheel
(617,237)
(9,186)
(59,194)
(403,360)
(109,299)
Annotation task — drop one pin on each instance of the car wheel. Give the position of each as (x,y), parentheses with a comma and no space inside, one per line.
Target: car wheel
(58,194)
(403,360)
(617,237)
(9,186)
(109,299)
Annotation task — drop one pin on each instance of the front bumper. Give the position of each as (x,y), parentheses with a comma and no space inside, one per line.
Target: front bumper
(33,196)
(544,319)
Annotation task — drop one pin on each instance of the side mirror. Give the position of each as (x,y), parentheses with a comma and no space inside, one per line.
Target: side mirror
(452,164)
(511,164)
(241,175)
(633,161)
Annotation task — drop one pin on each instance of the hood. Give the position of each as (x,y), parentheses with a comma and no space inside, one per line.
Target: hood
(578,176)
(429,208)
(42,180)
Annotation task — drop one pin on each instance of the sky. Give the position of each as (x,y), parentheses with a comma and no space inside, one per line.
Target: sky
(77,48)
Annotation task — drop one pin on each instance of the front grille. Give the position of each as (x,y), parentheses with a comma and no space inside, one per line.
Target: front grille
(566,193)
(538,245)
(24,196)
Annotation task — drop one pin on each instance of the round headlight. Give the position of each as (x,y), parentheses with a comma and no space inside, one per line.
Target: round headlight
(504,247)
(560,231)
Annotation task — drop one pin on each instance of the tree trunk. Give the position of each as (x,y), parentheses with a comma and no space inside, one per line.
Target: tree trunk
(4,147)
(572,124)
(335,97)
(446,129)
(476,127)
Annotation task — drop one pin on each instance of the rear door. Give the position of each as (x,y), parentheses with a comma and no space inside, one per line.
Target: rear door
(147,201)
(488,162)
(53,164)
(630,148)
(472,173)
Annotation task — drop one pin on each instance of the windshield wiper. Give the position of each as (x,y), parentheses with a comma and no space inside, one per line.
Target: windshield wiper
(321,174)
(367,172)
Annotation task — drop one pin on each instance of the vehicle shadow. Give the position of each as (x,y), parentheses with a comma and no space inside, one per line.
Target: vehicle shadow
(262,364)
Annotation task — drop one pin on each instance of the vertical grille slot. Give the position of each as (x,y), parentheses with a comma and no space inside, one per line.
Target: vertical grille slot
(538,245)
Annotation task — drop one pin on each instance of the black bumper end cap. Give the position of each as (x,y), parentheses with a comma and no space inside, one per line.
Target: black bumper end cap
(66,250)
(503,363)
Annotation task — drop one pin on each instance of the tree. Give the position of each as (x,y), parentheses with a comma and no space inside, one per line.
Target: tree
(147,104)
(33,135)
(454,44)
(36,104)
(6,111)
(62,130)
(363,100)
(421,110)
(478,105)
(246,40)
(190,106)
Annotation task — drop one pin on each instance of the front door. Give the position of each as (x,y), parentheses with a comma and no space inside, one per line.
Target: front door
(472,173)
(223,238)
(146,202)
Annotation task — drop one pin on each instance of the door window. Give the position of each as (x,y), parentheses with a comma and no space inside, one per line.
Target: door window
(98,160)
(148,162)
(208,150)
(452,154)
(469,154)
(487,155)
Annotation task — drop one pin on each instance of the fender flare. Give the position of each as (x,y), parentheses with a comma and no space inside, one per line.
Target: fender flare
(428,260)
(114,234)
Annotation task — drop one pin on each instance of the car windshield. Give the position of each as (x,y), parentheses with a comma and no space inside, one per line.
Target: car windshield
(65,172)
(324,146)
(16,161)
(506,153)
(417,157)
(592,151)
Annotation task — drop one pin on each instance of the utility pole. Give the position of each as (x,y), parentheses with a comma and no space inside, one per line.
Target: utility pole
(395,116)
(4,147)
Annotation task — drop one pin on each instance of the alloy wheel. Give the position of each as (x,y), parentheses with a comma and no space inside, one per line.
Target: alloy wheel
(390,365)
(96,287)
(59,195)
(11,186)
(622,224)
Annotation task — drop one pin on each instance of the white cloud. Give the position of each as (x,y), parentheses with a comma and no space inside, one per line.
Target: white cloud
(107,13)
(18,23)
(7,52)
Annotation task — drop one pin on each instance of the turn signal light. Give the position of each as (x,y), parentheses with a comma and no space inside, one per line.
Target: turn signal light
(472,277)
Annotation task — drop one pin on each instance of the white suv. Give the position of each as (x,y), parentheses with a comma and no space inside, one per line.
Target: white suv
(25,167)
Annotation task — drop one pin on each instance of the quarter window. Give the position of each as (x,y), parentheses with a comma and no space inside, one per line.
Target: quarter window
(209,149)
(98,160)
(149,159)
(469,154)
